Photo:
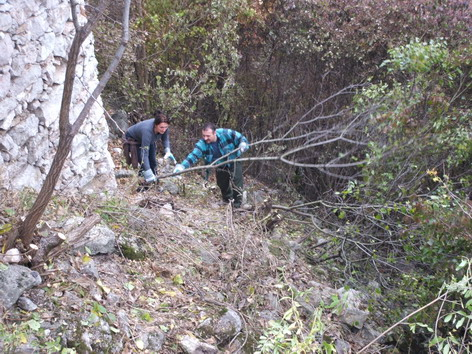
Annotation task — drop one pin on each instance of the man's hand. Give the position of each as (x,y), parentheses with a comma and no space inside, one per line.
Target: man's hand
(169,155)
(179,168)
(243,146)
(149,176)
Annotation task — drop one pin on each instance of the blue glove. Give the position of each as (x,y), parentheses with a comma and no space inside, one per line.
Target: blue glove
(179,168)
(149,176)
(243,146)
(168,155)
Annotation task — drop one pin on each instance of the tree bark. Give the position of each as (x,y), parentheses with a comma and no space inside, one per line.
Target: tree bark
(28,226)
(141,70)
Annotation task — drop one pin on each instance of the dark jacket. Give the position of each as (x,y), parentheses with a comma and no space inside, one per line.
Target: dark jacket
(143,132)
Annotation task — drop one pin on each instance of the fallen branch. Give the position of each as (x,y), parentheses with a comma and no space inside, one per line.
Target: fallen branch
(47,244)
(271,220)
(125,174)
(75,238)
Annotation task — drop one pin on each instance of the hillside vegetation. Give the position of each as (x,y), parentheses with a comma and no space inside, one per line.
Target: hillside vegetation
(181,260)
(362,107)
(359,174)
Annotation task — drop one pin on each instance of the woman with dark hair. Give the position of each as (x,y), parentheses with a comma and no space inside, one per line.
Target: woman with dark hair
(140,144)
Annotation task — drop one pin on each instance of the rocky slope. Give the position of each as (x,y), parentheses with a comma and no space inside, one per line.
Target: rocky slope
(186,274)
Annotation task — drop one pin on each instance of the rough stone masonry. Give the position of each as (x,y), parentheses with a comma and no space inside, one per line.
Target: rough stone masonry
(35,36)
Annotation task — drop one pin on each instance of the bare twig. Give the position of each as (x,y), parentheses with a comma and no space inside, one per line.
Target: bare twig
(440,297)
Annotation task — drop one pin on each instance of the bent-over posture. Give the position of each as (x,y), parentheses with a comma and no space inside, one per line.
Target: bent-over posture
(140,144)
(215,144)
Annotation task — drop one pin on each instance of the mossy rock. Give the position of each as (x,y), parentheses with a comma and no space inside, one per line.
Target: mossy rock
(132,253)
(277,247)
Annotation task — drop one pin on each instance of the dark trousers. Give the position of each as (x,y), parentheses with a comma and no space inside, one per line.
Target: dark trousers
(130,150)
(152,158)
(230,180)
(133,153)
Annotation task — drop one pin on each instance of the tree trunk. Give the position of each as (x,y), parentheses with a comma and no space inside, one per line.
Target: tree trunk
(142,73)
(27,228)
(141,70)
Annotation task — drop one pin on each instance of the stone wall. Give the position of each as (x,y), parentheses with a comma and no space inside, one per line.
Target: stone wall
(35,36)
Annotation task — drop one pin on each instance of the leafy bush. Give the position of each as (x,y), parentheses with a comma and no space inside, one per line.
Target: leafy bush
(182,60)
(291,334)
(419,159)
(450,330)
(419,109)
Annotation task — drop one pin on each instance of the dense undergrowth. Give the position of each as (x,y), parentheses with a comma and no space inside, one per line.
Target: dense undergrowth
(367,117)
(190,265)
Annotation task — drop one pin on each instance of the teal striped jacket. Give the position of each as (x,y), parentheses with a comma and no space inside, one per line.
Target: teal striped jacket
(227,139)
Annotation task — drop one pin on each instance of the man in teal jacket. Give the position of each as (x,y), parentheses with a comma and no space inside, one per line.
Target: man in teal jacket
(221,145)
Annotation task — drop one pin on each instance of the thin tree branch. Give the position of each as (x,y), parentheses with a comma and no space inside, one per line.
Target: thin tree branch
(443,296)
(108,73)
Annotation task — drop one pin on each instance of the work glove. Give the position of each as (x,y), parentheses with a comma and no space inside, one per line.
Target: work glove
(179,168)
(149,176)
(168,155)
(243,146)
